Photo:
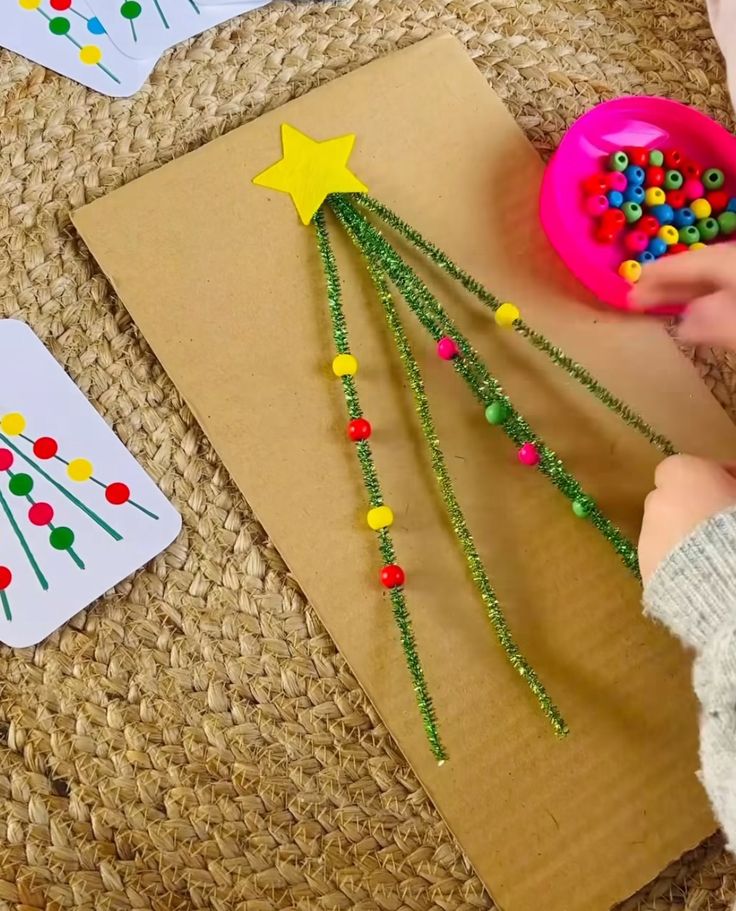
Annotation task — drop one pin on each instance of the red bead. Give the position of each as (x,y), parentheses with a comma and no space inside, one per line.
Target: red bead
(45,448)
(676,198)
(638,156)
(677,248)
(691,169)
(648,225)
(359,429)
(595,185)
(392,576)
(118,493)
(655,177)
(41,514)
(6,577)
(673,159)
(529,455)
(718,200)
(6,459)
(605,235)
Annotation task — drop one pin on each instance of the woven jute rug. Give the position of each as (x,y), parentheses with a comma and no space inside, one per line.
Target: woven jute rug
(195,741)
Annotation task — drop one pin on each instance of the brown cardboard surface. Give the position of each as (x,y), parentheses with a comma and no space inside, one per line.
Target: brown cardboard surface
(225,284)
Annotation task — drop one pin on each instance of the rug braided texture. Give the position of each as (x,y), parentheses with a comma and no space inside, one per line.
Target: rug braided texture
(195,741)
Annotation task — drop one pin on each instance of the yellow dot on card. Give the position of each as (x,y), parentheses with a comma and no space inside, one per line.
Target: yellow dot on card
(29,4)
(90,54)
(80,470)
(13,424)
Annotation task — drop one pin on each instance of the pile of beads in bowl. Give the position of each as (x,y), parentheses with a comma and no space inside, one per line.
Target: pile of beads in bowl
(657,203)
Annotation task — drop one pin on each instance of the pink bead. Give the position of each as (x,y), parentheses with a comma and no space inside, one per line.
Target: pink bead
(447,349)
(616,181)
(693,189)
(529,455)
(636,241)
(596,205)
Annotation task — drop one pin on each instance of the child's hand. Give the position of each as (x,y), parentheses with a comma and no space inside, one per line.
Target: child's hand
(703,279)
(688,491)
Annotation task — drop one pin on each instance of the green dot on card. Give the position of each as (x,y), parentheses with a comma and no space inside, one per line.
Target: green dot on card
(21,484)
(131,9)
(61,538)
(59,25)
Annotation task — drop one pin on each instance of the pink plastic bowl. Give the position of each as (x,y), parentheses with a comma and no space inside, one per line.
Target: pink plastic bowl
(649,122)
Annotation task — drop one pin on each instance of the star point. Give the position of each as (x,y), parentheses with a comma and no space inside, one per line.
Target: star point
(309,170)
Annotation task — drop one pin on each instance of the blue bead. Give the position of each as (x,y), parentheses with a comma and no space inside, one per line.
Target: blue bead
(664,213)
(635,194)
(731,207)
(615,199)
(646,257)
(683,218)
(635,175)
(657,247)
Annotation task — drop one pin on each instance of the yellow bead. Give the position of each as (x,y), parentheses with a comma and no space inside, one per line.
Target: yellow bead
(669,234)
(630,269)
(655,196)
(697,246)
(701,208)
(345,365)
(380,517)
(507,314)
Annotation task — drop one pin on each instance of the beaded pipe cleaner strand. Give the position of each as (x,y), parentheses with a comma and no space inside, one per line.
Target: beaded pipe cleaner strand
(314,173)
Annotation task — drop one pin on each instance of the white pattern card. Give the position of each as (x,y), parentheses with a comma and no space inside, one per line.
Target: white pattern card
(78,514)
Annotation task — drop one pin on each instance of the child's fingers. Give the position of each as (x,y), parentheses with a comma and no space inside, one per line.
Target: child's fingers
(710,320)
(680,279)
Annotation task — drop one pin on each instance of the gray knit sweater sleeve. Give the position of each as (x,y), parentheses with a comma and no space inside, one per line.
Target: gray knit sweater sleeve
(694,594)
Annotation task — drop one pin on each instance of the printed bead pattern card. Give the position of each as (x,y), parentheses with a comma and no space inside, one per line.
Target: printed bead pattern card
(77,513)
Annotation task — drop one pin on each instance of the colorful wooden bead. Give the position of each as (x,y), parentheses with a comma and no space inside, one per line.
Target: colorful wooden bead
(615,198)
(655,177)
(673,180)
(731,207)
(689,234)
(581,508)
(676,198)
(677,248)
(648,224)
(392,576)
(654,196)
(630,270)
(714,178)
(615,180)
(708,228)
(656,158)
(380,517)
(496,413)
(683,217)
(673,158)
(635,175)
(664,214)
(632,211)
(645,257)
(635,194)
(718,200)
(507,314)
(698,246)
(638,156)
(691,170)
(701,208)
(595,185)
(528,454)
(668,234)
(447,348)
(657,247)
(610,226)
(693,189)
(359,429)
(636,241)
(727,222)
(619,161)
(344,365)
(596,205)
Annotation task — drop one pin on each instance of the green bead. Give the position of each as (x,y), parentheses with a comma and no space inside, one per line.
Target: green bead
(656,158)
(727,222)
(673,180)
(689,235)
(21,485)
(708,229)
(619,161)
(632,211)
(713,179)
(581,508)
(496,413)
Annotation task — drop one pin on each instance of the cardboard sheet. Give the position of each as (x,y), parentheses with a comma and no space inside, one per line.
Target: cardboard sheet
(225,284)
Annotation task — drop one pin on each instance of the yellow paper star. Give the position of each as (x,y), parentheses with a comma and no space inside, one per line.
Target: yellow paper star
(309,170)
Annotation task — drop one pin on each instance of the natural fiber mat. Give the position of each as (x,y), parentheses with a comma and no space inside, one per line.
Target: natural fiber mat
(195,741)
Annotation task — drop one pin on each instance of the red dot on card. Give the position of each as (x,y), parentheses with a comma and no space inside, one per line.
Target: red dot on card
(6,459)
(6,577)
(41,514)
(45,448)
(60,5)
(117,493)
